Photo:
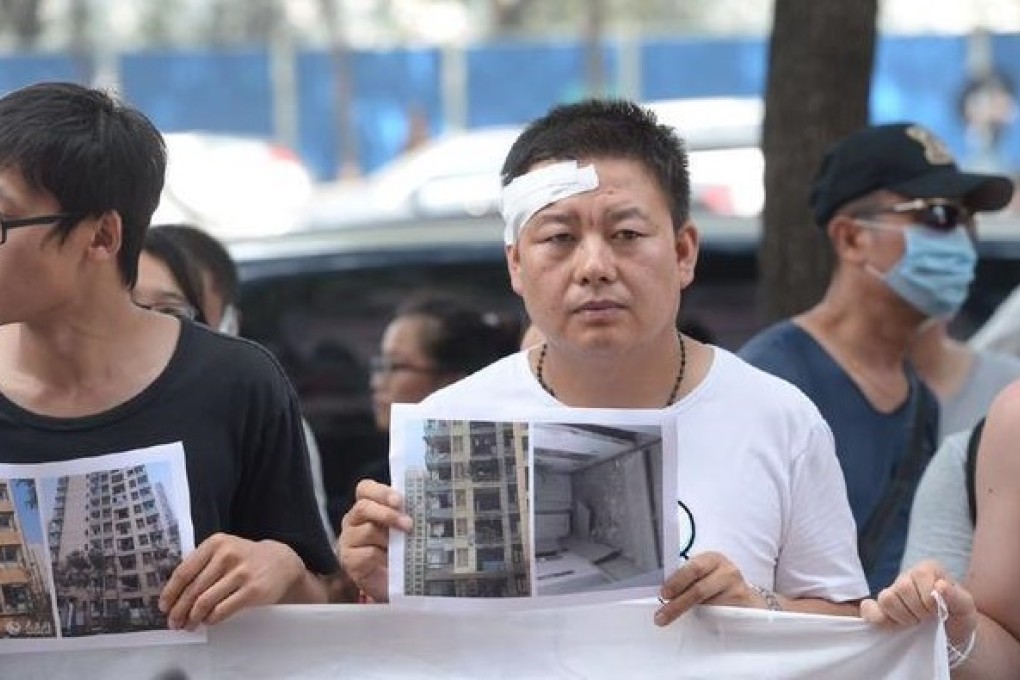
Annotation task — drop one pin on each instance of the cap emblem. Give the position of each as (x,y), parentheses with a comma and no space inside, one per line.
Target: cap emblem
(935,151)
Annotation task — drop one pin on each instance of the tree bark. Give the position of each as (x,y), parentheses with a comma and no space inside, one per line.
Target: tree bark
(348,165)
(508,16)
(594,66)
(821,56)
(25,18)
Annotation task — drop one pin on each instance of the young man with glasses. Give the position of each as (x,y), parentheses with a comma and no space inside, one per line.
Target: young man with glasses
(897,211)
(84,371)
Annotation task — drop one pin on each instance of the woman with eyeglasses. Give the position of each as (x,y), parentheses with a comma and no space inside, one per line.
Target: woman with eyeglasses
(167,280)
(433,340)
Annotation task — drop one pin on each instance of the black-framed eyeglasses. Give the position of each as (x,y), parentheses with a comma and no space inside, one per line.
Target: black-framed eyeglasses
(934,213)
(381,364)
(8,224)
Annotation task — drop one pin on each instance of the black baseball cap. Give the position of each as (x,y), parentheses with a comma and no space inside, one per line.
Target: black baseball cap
(904,158)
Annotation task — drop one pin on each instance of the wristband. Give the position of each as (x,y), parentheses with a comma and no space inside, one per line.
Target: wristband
(957,656)
(771,601)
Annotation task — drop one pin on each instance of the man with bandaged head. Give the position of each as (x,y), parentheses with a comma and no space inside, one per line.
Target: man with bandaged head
(600,246)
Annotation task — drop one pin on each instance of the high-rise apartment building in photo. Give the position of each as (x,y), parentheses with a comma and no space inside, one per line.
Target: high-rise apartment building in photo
(470,511)
(114,540)
(24,599)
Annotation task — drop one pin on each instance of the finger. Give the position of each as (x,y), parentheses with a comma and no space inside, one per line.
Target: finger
(228,606)
(893,607)
(185,573)
(371,490)
(697,593)
(924,584)
(959,601)
(913,597)
(872,613)
(364,535)
(708,587)
(962,612)
(362,562)
(207,601)
(911,605)
(362,551)
(368,511)
(691,572)
(180,614)
(919,599)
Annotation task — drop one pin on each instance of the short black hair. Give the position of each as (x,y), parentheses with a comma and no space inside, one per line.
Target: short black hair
(461,338)
(211,254)
(92,153)
(186,274)
(611,128)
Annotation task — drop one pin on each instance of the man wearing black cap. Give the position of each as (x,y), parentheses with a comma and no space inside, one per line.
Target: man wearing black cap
(897,210)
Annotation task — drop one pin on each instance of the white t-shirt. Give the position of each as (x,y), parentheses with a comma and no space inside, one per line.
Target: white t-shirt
(757,471)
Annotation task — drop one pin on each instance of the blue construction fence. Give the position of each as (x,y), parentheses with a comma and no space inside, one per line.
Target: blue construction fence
(916,78)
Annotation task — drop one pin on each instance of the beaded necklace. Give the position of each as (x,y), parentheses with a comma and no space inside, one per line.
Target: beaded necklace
(672,394)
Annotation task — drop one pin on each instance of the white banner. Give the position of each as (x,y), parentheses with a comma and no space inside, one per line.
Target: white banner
(596,641)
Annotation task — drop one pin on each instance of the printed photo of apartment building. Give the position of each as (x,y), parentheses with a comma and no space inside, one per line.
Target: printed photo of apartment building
(114,540)
(469,502)
(25,601)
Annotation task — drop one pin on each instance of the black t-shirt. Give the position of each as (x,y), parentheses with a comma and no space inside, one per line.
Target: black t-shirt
(229,403)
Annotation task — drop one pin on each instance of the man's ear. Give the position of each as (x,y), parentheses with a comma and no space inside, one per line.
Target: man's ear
(849,238)
(513,264)
(686,248)
(107,236)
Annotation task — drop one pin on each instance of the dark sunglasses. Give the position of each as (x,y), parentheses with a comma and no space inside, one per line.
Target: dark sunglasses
(933,213)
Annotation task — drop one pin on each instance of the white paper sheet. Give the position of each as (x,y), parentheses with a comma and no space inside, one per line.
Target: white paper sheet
(531,509)
(86,546)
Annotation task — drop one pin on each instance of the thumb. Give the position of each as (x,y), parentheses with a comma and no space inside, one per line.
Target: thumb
(959,602)
(963,617)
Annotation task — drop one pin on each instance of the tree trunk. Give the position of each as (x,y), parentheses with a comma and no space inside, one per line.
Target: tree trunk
(343,90)
(507,16)
(25,18)
(82,47)
(595,68)
(821,56)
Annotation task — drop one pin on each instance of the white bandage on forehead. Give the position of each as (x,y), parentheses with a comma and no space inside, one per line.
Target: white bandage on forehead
(532,191)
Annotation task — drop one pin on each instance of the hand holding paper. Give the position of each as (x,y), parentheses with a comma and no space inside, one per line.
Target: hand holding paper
(708,578)
(364,536)
(226,574)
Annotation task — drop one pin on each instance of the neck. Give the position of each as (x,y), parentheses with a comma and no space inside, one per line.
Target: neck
(651,376)
(869,341)
(880,332)
(78,364)
(942,362)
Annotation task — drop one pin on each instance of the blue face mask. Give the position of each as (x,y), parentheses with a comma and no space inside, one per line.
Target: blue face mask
(936,270)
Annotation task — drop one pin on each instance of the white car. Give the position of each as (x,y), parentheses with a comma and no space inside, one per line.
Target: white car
(457,174)
(232,186)
(723,136)
(454,175)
